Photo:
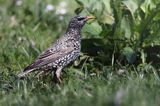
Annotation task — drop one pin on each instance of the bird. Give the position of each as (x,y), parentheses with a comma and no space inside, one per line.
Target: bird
(65,50)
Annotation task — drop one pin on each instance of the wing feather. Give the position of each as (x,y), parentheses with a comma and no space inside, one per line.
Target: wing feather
(50,57)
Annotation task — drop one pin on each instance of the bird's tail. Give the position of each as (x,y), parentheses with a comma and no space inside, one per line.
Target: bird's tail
(30,68)
(25,71)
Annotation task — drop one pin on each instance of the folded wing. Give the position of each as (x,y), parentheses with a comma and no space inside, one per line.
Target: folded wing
(45,58)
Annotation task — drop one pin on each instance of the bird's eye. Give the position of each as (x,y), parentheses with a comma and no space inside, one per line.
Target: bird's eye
(80,18)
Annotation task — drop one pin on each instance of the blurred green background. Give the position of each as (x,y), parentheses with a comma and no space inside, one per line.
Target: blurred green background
(119,62)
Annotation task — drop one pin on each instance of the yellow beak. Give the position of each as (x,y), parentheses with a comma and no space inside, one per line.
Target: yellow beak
(90,17)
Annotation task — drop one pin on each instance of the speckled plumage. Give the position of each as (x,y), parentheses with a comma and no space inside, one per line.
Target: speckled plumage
(65,50)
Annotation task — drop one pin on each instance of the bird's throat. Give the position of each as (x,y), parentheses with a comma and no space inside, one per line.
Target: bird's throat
(74,32)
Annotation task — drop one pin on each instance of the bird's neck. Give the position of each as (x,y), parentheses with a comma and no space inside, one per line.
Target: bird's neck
(74,32)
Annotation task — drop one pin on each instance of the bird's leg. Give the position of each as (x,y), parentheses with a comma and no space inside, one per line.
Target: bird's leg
(58,74)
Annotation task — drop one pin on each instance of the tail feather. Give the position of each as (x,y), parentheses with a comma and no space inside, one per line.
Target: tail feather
(26,71)
(30,68)
(22,74)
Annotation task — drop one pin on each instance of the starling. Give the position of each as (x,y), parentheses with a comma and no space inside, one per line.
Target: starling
(64,51)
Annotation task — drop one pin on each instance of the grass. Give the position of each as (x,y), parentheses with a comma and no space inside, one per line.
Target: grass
(106,89)
(23,37)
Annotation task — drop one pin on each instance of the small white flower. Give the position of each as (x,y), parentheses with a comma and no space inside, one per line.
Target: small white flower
(63,4)
(61,11)
(49,7)
(19,2)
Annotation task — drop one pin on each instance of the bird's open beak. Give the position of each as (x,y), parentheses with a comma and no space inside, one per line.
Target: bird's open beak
(90,17)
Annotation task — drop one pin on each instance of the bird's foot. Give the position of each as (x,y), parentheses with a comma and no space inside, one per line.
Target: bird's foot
(59,80)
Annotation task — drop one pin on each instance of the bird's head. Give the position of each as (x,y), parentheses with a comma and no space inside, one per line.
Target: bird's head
(79,21)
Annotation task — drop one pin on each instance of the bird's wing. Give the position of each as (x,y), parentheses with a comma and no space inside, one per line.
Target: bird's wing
(49,57)
(57,47)
(48,52)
